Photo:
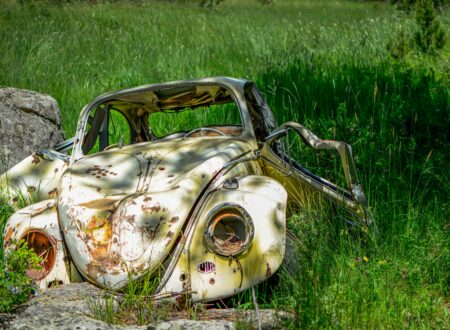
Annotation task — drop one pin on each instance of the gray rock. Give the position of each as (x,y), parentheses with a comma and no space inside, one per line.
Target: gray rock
(68,307)
(28,121)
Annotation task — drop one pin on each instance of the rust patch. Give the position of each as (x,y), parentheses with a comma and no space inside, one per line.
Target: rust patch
(44,247)
(174,220)
(171,175)
(8,235)
(147,199)
(99,252)
(169,235)
(99,172)
(53,193)
(94,269)
(31,189)
(36,159)
(96,222)
(139,268)
(161,168)
(102,204)
(130,218)
(212,281)
(151,209)
(268,270)
(175,187)
(98,236)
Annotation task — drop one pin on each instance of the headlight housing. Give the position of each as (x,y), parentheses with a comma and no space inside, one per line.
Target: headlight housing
(229,230)
(44,247)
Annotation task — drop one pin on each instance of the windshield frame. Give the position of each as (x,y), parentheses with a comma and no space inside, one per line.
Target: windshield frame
(234,86)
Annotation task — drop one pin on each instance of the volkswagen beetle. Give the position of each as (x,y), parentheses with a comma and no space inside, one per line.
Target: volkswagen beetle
(190,180)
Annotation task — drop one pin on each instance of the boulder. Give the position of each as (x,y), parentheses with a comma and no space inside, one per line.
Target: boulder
(28,121)
(70,307)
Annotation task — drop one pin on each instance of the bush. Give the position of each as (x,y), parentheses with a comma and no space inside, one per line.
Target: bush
(15,285)
(431,36)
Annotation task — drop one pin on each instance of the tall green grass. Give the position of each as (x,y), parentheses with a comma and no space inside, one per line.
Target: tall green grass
(76,52)
(325,64)
(395,114)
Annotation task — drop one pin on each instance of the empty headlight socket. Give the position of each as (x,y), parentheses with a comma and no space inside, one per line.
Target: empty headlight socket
(229,230)
(45,248)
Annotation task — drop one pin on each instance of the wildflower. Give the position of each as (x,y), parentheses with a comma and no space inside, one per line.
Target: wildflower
(365,259)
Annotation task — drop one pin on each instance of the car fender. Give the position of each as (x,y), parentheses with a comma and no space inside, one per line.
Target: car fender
(38,225)
(34,178)
(211,275)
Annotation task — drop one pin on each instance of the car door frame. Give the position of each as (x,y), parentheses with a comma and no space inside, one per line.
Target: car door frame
(352,199)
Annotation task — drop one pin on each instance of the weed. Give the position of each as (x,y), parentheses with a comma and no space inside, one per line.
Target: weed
(135,303)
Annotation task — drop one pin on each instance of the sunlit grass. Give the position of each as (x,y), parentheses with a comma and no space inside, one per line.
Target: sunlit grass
(76,52)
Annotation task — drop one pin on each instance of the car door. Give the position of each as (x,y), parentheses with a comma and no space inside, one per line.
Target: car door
(283,157)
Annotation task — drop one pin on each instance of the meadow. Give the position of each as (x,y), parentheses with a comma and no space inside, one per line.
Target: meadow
(326,64)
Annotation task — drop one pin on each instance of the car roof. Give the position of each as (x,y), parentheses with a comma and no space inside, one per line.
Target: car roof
(233,84)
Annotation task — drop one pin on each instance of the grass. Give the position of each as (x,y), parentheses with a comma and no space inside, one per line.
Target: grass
(325,64)
(134,306)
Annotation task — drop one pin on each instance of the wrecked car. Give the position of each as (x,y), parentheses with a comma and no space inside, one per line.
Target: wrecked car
(190,180)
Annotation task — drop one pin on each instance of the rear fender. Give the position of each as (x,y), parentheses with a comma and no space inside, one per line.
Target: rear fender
(38,225)
(210,273)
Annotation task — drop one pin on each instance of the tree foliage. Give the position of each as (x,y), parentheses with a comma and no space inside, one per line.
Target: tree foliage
(429,36)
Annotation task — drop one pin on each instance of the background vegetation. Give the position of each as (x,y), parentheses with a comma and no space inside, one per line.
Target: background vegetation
(356,71)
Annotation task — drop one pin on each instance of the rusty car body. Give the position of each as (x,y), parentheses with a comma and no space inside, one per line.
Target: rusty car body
(188,180)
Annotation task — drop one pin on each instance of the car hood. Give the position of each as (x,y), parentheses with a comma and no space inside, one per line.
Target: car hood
(121,210)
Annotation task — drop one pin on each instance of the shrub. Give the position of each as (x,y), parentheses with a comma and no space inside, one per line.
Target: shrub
(15,285)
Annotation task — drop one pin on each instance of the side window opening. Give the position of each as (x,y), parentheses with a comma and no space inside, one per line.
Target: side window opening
(221,116)
(119,132)
(183,111)
(167,123)
(107,128)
